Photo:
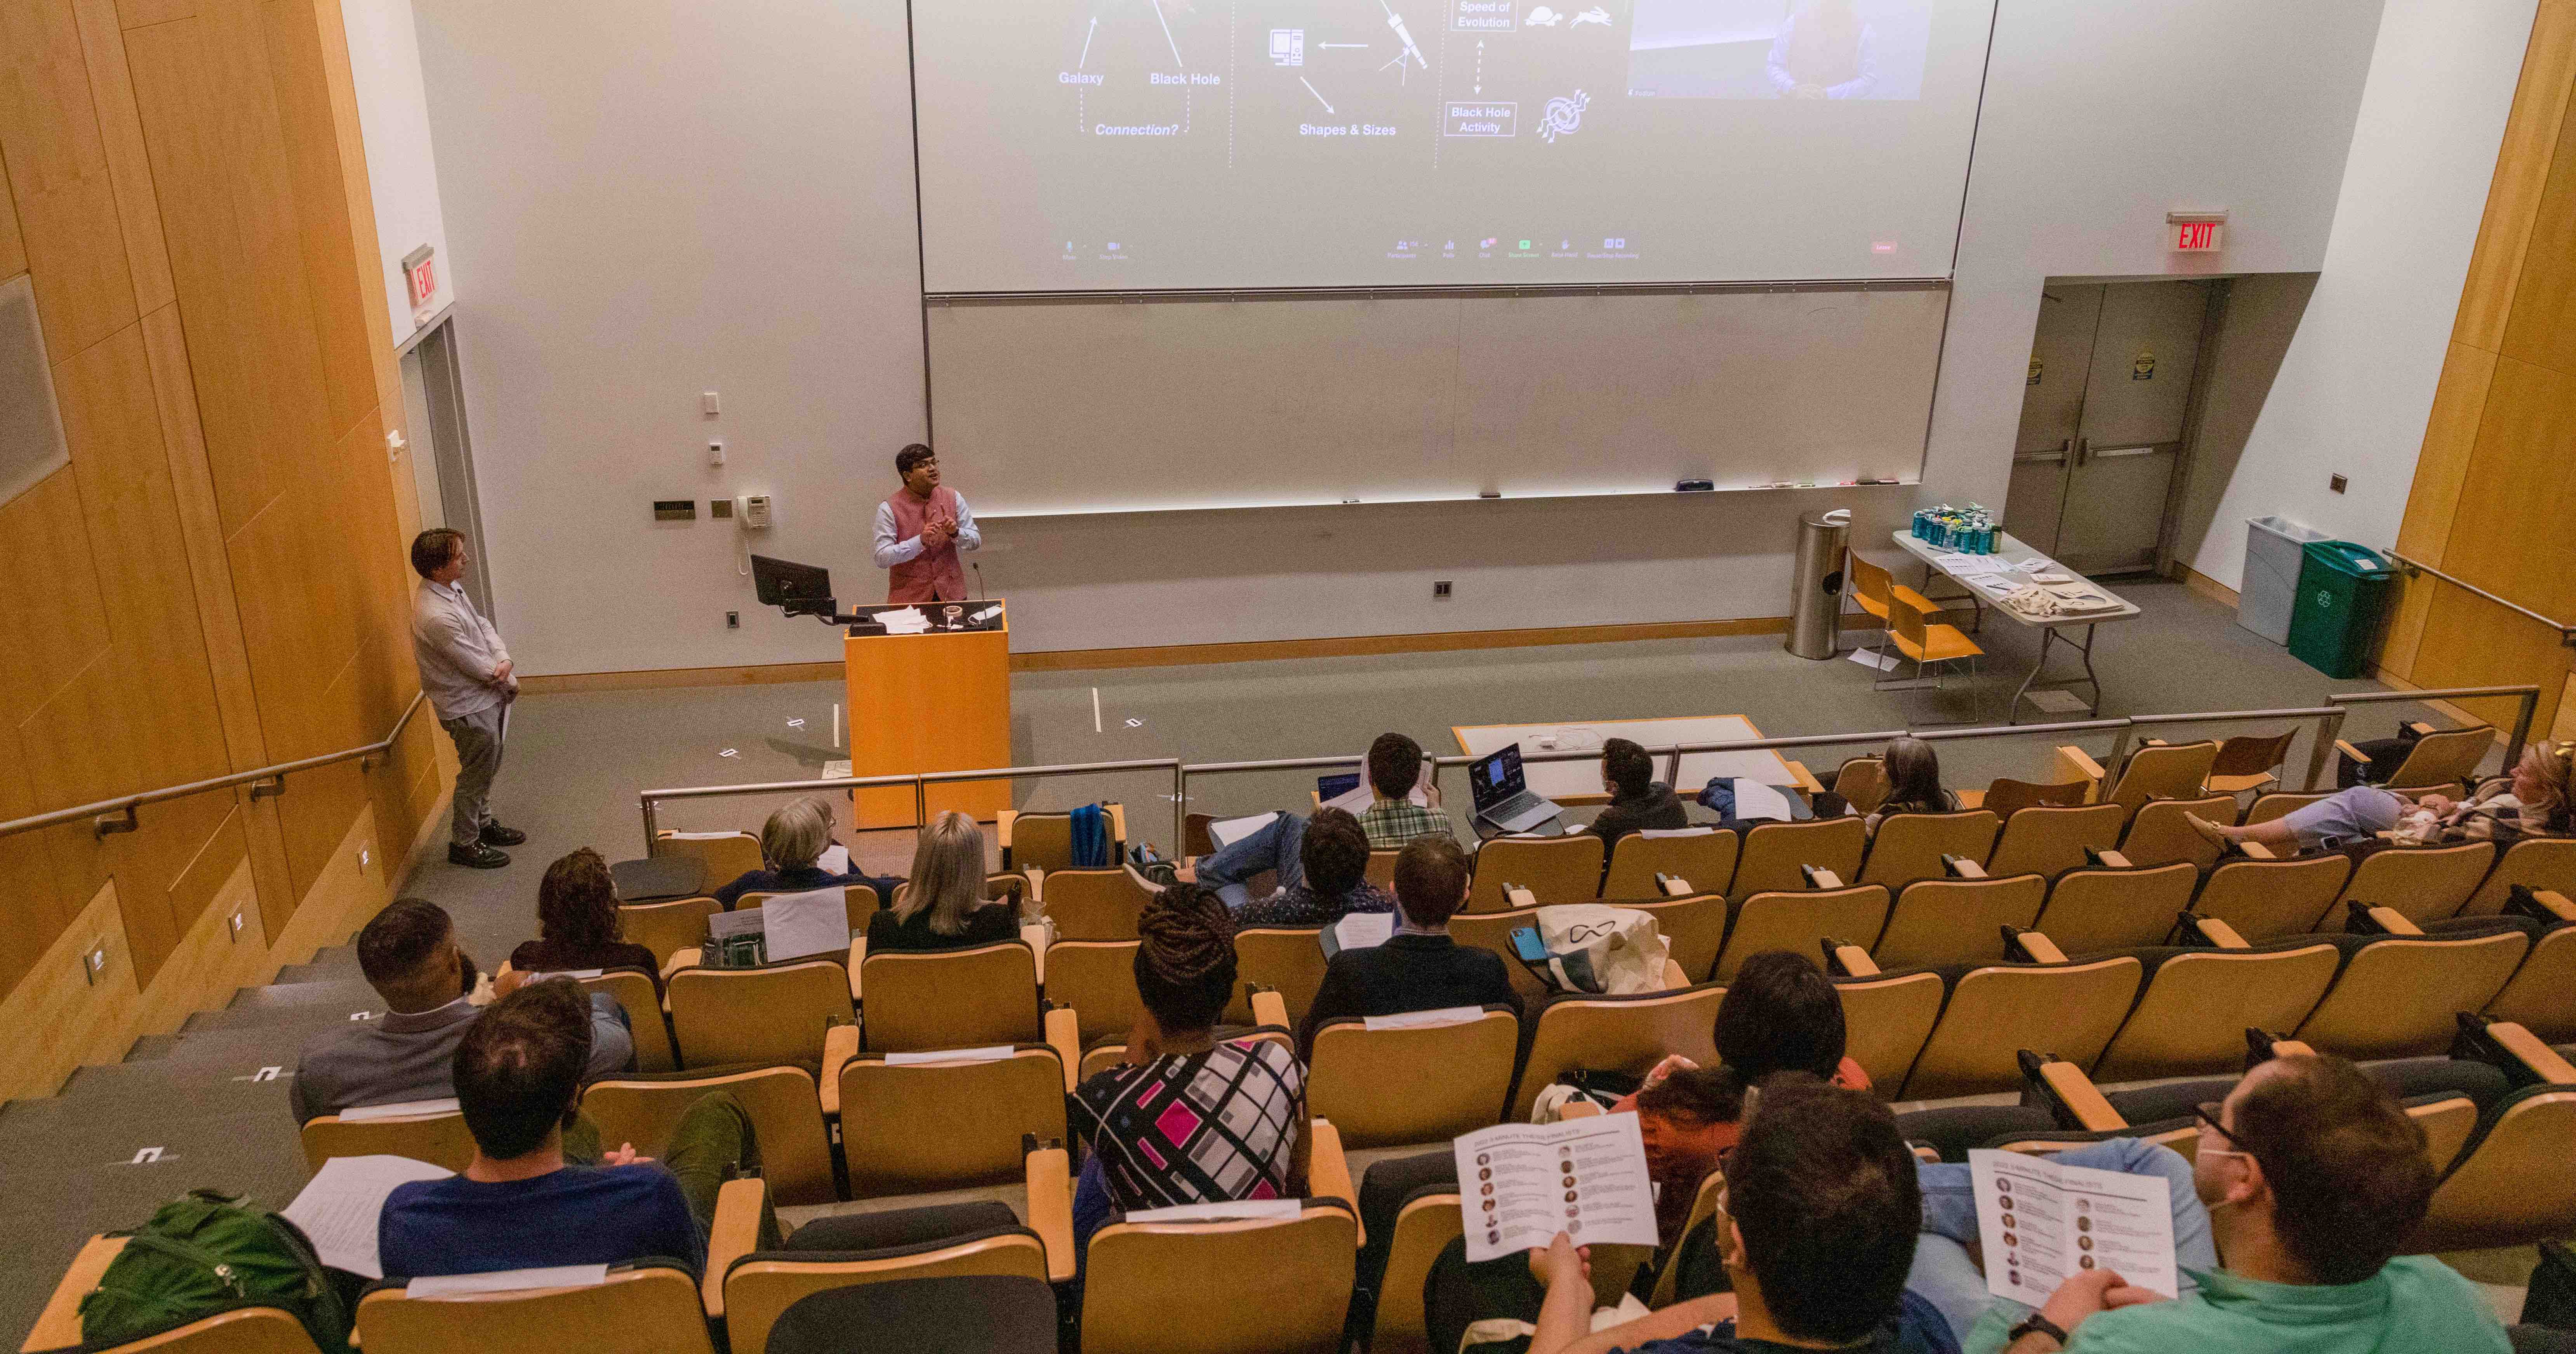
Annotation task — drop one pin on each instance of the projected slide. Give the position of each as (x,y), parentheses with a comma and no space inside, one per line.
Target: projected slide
(1086,145)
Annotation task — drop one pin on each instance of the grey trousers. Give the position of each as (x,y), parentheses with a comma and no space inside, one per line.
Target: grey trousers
(478,756)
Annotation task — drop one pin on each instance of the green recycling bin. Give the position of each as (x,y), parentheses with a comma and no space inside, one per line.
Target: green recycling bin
(2343,590)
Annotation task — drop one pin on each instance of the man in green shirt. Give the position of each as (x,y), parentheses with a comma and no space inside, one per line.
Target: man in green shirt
(2313,1175)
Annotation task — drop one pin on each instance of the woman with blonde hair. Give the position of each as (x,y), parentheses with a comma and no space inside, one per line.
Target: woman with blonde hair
(792,845)
(945,905)
(2530,801)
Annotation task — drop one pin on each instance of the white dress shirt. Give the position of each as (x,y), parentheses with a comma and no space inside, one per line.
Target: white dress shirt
(891,552)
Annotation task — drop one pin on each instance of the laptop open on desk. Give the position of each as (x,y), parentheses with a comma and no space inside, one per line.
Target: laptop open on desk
(1502,793)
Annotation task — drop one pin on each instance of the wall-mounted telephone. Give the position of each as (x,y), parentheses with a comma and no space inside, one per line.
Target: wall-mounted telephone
(752,512)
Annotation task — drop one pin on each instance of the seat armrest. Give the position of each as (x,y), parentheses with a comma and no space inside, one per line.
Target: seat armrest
(2292,1048)
(1064,1031)
(858,959)
(1821,880)
(1270,1008)
(2536,1057)
(2394,922)
(1002,821)
(2077,1099)
(1118,831)
(1801,777)
(2555,903)
(1037,885)
(1328,1172)
(1960,867)
(2256,851)
(2359,757)
(1675,979)
(1519,897)
(59,1327)
(2220,934)
(2419,728)
(734,1233)
(680,959)
(1676,888)
(1050,1180)
(2074,763)
(840,1044)
(2112,860)
(1580,1109)
(1852,960)
(2040,948)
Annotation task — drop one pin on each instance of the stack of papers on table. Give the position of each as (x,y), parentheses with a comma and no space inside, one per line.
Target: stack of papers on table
(908,621)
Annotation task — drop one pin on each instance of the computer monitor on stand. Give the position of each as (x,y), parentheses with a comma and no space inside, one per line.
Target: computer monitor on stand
(797,589)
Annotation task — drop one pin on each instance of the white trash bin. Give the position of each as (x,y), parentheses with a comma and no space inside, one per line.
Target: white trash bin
(2274,549)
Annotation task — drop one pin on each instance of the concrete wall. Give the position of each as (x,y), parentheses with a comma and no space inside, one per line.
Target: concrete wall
(722,199)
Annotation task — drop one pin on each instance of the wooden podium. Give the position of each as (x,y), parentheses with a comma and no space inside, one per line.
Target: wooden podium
(933,702)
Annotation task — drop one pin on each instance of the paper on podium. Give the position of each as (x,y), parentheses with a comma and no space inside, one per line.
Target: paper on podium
(2042,1222)
(1521,1184)
(908,621)
(339,1207)
(798,924)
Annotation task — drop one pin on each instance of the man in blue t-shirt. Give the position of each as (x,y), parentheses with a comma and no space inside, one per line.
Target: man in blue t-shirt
(521,1204)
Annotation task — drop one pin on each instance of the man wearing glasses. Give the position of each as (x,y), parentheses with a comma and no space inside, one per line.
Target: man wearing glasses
(2306,1179)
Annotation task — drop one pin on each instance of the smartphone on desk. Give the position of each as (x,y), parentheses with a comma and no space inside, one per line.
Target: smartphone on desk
(1526,944)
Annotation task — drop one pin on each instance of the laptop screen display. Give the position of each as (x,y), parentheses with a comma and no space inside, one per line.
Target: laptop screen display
(1496,778)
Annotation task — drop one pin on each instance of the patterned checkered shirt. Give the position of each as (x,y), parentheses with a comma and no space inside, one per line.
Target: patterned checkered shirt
(1196,1128)
(1390,823)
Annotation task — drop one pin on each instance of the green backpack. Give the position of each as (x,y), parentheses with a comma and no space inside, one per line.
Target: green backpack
(209,1252)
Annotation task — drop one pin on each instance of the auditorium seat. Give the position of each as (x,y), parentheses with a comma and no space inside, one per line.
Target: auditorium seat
(1381,869)
(1773,853)
(952,1124)
(2196,1005)
(2510,1185)
(650,1305)
(782,1102)
(859,899)
(1956,921)
(2159,770)
(437,1137)
(2269,899)
(647,1023)
(1705,858)
(1092,904)
(728,856)
(2051,841)
(1554,869)
(1492,931)
(1912,846)
(775,1013)
(2439,759)
(1429,1221)
(1862,782)
(2158,835)
(1799,920)
(2541,994)
(1246,1286)
(1394,1087)
(1995,1010)
(913,1000)
(2280,803)
(1097,979)
(2005,796)
(1045,840)
(2423,883)
(2249,762)
(2396,995)
(1616,1034)
(752,1289)
(667,928)
(1886,1019)
(1693,925)
(2534,863)
(2095,909)
(1286,959)
(243,1330)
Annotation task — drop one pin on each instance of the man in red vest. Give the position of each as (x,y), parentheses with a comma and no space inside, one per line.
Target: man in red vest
(920,529)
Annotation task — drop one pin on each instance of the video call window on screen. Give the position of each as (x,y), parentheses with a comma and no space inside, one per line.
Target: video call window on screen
(1778,49)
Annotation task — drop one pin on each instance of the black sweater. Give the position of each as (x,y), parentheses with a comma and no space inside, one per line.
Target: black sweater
(1407,973)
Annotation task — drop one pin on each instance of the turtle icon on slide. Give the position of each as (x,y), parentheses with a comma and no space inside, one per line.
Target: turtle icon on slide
(1540,16)
(1564,116)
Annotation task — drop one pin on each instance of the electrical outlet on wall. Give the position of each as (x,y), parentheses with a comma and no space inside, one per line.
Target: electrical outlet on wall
(94,961)
(235,923)
(733,620)
(366,858)
(2337,483)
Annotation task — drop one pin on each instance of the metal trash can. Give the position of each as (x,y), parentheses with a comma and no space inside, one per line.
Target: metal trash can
(2273,553)
(1816,595)
(2343,590)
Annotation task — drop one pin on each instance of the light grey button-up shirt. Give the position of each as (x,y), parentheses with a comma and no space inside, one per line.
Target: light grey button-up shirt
(458,651)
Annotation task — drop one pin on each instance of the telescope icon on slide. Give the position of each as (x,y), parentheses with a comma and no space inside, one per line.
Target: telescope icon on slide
(1396,22)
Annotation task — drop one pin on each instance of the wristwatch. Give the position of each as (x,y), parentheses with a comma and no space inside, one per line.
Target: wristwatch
(2035,1324)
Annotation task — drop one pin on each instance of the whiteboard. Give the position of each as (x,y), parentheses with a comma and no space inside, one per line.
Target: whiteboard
(1120,405)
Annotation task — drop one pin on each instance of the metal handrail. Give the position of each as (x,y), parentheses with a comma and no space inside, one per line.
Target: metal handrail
(649,801)
(2529,706)
(2566,632)
(2329,720)
(109,816)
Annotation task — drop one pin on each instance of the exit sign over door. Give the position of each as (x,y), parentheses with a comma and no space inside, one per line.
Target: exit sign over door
(2194,232)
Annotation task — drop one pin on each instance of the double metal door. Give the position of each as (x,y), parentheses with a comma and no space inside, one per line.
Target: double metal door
(2103,418)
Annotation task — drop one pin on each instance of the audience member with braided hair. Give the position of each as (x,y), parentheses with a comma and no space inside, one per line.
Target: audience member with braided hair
(1187,1119)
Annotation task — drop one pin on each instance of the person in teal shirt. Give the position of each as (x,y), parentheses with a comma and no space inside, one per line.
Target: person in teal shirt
(2312,1176)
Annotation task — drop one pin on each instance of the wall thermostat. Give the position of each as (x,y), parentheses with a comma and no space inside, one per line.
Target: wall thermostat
(752,510)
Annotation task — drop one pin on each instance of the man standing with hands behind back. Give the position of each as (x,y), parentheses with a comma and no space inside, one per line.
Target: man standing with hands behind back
(919,530)
(466,673)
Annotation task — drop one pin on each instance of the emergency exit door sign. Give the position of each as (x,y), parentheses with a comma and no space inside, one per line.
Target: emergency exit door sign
(2194,232)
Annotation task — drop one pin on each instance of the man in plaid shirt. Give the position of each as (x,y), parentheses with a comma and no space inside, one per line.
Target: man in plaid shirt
(1394,766)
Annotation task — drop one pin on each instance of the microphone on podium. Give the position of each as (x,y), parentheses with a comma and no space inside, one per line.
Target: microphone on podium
(979,579)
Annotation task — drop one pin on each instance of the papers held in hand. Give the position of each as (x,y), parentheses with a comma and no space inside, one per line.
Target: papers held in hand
(1357,931)
(1521,1184)
(2042,1223)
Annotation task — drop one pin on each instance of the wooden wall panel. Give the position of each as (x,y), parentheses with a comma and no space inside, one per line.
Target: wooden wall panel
(2542,327)
(2470,641)
(2523,163)
(2459,404)
(58,175)
(143,13)
(13,247)
(52,621)
(138,204)
(2517,499)
(298,60)
(201,530)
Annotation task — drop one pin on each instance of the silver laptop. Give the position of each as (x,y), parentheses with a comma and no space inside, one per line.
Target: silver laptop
(1502,794)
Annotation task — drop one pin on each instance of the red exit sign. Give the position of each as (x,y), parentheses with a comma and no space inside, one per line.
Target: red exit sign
(2194,232)
(420,274)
